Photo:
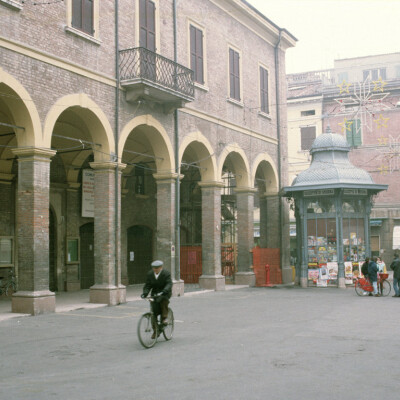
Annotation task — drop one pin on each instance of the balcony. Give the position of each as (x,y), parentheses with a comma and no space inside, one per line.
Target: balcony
(150,77)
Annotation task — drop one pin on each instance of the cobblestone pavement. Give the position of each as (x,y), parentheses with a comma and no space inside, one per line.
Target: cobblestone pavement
(250,343)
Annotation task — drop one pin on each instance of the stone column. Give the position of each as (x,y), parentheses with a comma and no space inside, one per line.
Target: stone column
(33,295)
(165,245)
(211,277)
(245,228)
(107,288)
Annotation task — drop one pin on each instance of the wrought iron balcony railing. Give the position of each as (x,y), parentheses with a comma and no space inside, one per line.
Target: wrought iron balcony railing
(139,65)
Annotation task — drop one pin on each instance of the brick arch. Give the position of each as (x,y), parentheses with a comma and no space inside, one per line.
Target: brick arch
(158,139)
(204,152)
(269,172)
(95,119)
(23,111)
(240,163)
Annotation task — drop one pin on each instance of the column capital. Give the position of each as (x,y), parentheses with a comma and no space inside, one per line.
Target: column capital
(107,165)
(245,190)
(34,153)
(270,193)
(211,184)
(168,177)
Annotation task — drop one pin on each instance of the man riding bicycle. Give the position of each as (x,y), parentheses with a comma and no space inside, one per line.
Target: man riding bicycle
(159,283)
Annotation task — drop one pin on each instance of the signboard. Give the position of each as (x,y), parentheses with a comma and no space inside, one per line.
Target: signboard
(355,192)
(88,193)
(322,192)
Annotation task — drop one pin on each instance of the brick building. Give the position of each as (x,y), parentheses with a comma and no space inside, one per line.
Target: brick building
(358,98)
(99,125)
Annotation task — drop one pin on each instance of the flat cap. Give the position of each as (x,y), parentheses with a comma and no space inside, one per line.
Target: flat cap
(157,264)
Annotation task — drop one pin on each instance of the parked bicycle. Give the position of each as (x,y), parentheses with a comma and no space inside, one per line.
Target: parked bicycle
(150,327)
(8,285)
(364,287)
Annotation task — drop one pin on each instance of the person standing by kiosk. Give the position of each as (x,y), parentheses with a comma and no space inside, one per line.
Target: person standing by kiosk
(373,275)
(395,266)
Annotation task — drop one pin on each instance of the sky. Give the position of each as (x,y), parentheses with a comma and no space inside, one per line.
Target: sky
(334,29)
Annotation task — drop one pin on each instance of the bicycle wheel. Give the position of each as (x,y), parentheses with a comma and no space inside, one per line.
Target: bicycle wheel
(169,328)
(384,288)
(147,330)
(359,290)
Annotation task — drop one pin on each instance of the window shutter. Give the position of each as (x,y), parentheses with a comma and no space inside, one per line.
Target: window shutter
(196,53)
(231,75)
(151,26)
(264,90)
(349,137)
(234,74)
(77,14)
(147,25)
(87,20)
(356,131)
(199,55)
(237,76)
(142,24)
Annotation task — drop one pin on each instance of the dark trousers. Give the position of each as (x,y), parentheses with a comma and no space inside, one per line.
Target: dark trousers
(160,306)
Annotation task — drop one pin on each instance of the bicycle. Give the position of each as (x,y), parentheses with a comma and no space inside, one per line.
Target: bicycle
(150,327)
(363,286)
(8,285)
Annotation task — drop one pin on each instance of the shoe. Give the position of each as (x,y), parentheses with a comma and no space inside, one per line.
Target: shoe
(153,336)
(396,295)
(377,295)
(165,321)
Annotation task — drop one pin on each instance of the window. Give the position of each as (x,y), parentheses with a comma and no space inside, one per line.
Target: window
(234,74)
(343,76)
(196,54)
(353,133)
(73,256)
(264,90)
(307,113)
(308,135)
(374,74)
(82,15)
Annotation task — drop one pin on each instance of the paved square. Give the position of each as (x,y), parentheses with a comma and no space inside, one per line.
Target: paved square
(254,343)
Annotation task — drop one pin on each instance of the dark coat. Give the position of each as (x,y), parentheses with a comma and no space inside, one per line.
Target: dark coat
(395,266)
(162,284)
(373,271)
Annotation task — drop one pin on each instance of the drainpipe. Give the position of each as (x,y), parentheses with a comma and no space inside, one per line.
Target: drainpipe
(177,168)
(278,131)
(116,142)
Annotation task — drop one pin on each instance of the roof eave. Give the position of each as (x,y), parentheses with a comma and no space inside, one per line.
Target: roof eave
(301,188)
